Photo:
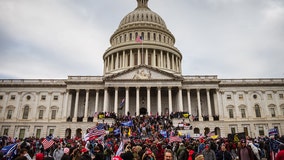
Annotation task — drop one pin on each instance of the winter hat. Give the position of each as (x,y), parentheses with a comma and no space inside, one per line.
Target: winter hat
(199,157)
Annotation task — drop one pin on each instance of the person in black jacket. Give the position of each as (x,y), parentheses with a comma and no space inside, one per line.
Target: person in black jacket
(223,154)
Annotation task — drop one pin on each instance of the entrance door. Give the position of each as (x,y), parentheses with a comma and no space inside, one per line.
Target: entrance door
(143,111)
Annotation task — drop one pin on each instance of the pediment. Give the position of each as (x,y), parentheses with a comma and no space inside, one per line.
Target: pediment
(143,73)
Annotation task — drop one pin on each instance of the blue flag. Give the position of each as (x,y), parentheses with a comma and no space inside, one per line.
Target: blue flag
(164,133)
(116,132)
(9,151)
(128,123)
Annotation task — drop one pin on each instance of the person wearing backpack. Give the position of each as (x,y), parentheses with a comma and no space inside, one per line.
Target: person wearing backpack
(182,153)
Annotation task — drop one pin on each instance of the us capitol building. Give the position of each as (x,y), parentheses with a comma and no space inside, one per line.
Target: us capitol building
(142,67)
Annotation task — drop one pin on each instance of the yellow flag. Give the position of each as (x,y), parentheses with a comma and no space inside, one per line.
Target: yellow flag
(129,132)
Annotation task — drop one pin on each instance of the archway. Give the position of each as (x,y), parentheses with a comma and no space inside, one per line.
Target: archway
(143,111)
(79,133)
(68,133)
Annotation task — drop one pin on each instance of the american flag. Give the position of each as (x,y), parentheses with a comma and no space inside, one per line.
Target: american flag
(139,39)
(94,133)
(47,142)
(212,133)
(175,139)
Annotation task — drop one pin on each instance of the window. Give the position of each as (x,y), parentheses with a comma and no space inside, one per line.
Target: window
(40,114)
(9,114)
(231,113)
(55,98)
(26,112)
(272,112)
(246,131)
(6,131)
(1,97)
(261,130)
(229,96)
(282,111)
(243,113)
(43,97)
(13,97)
(28,97)
(51,131)
(233,130)
(281,96)
(254,96)
(257,111)
(241,96)
(130,36)
(53,114)
(38,131)
(269,96)
(22,133)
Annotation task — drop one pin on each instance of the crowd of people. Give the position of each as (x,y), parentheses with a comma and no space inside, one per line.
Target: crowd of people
(142,138)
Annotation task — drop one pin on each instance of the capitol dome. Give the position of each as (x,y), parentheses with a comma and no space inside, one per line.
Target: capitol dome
(142,38)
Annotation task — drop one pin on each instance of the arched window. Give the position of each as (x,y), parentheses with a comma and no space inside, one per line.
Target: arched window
(130,36)
(26,112)
(257,111)
(149,36)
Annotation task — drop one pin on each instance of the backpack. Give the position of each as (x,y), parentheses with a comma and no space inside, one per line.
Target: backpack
(183,155)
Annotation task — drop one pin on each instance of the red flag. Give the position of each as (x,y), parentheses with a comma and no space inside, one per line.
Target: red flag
(47,143)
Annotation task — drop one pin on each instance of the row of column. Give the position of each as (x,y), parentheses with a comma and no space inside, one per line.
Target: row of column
(161,59)
(159,102)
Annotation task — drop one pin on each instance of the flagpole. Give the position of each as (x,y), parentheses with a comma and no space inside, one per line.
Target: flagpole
(142,52)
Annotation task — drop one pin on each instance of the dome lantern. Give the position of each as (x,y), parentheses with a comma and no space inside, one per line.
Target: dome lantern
(142,3)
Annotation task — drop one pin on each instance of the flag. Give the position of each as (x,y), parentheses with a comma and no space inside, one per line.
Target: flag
(175,139)
(129,132)
(139,39)
(236,137)
(47,142)
(212,133)
(128,123)
(120,149)
(122,103)
(164,133)
(9,151)
(94,133)
(116,132)
(273,131)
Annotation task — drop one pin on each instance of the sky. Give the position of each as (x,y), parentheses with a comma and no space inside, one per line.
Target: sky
(54,39)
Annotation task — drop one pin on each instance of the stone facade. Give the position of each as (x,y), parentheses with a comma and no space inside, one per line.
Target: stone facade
(143,68)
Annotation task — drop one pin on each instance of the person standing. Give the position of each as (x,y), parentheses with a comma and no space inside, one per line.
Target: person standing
(280,154)
(223,154)
(208,153)
(245,152)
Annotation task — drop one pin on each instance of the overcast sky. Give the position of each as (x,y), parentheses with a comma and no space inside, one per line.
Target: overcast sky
(56,38)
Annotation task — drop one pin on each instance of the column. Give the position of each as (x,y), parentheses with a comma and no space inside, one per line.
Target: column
(115,99)
(85,119)
(148,100)
(277,109)
(209,105)
(170,100)
(199,105)
(131,59)
(189,102)
(168,61)
(154,59)
(137,101)
(161,59)
(235,105)
(117,60)
(64,116)
(220,106)
(105,100)
(126,100)
(97,101)
(180,99)
(159,101)
(96,106)
(139,57)
(76,106)
(123,59)
(173,62)
(146,58)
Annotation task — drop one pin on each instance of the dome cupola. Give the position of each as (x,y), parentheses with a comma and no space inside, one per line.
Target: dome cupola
(155,50)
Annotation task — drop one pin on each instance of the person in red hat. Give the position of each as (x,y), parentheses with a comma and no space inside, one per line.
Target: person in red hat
(117,158)
(85,154)
(208,153)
